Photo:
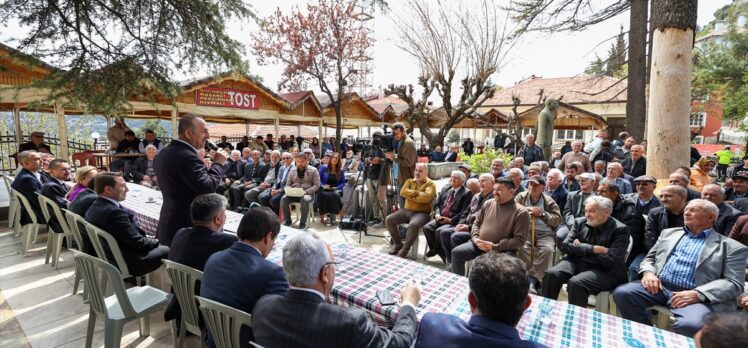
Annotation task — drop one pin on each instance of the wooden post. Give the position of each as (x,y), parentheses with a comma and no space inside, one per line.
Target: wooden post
(277,126)
(321,124)
(668,133)
(174,122)
(246,128)
(63,131)
(17,125)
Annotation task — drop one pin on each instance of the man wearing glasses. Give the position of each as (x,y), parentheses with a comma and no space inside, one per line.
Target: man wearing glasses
(271,198)
(303,318)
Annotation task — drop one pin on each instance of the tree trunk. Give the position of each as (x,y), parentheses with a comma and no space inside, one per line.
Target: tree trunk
(668,132)
(338,130)
(636,103)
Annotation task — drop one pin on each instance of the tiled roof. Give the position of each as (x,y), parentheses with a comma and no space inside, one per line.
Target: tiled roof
(580,89)
(380,105)
(294,97)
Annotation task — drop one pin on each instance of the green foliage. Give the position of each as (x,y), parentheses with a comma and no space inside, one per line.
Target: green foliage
(721,70)
(155,126)
(481,162)
(105,52)
(615,64)
(453,136)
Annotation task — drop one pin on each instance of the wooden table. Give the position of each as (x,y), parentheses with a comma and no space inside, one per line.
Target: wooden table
(101,157)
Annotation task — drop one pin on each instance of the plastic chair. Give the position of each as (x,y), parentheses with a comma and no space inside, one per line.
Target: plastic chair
(124,306)
(183,280)
(96,234)
(604,299)
(75,223)
(224,322)
(50,209)
(14,208)
(413,253)
(30,231)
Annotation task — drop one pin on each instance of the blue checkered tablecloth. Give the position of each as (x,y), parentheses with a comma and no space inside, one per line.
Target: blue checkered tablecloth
(363,272)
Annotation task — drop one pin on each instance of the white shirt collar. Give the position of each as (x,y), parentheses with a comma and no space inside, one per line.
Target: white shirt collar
(111,200)
(321,295)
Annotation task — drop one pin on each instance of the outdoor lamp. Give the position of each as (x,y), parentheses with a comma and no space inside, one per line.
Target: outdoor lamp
(95,136)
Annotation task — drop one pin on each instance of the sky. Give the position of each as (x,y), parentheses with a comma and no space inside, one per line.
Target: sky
(540,54)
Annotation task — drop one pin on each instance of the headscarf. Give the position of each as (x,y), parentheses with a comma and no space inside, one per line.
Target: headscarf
(703,161)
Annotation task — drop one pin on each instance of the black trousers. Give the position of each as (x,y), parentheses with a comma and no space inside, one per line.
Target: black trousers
(431,231)
(582,281)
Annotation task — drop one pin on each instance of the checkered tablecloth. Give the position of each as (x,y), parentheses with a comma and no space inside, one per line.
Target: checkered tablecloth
(145,205)
(362,273)
(559,324)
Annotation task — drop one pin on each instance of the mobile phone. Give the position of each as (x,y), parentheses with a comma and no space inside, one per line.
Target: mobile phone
(385,298)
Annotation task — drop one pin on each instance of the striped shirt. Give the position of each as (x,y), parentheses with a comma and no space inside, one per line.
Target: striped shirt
(681,264)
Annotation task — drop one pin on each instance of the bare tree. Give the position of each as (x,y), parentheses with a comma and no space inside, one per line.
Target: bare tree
(447,41)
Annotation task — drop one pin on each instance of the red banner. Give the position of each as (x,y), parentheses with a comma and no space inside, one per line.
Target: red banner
(229,98)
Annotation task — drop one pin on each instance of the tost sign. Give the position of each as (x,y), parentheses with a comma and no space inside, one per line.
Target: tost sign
(229,98)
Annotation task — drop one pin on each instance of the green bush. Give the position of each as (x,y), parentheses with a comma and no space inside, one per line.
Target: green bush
(481,162)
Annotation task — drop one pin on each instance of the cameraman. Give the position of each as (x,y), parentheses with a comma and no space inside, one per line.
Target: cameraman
(405,159)
(376,181)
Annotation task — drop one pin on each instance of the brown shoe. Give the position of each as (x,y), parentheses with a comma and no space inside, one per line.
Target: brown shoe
(395,249)
(404,253)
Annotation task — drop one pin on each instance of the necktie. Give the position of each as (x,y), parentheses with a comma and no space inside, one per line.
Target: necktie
(448,203)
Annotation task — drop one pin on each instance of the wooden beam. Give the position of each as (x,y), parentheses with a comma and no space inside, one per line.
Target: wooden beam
(63,132)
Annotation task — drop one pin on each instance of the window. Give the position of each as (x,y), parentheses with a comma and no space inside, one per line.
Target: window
(569,134)
(698,119)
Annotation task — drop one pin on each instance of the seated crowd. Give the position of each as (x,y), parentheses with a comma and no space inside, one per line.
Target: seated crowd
(596,211)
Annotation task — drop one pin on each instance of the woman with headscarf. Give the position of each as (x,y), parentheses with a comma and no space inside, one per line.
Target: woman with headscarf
(700,172)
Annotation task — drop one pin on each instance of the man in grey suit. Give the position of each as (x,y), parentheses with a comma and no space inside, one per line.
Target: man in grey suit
(693,270)
(302,318)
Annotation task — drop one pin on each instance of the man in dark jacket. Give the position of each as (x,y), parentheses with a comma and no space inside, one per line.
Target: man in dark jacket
(636,164)
(80,206)
(182,175)
(644,197)
(234,171)
(595,250)
(530,151)
(574,207)
(453,200)
(56,189)
(142,254)
(624,210)
(28,182)
(254,174)
(142,169)
(727,214)
(192,246)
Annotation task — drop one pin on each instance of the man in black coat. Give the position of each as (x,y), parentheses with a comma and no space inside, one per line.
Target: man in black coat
(142,170)
(624,210)
(56,189)
(727,216)
(28,182)
(254,174)
(80,206)
(182,175)
(453,200)
(192,246)
(574,207)
(595,250)
(142,254)
(636,164)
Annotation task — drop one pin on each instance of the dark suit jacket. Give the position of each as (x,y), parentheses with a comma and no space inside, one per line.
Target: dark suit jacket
(726,218)
(437,156)
(635,169)
(741,204)
(133,243)
(624,210)
(56,191)
(450,157)
(181,177)
(448,331)
(257,175)
(137,169)
(692,194)
(27,185)
(234,170)
(559,196)
(613,234)
(192,246)
(656,222)
(302,319)
(571,208)
(460,204)
(80,206)
(238,277)
(644,209)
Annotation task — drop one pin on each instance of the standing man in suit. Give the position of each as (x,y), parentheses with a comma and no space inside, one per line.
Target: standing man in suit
(498,297)
(192,246)
(28,182)
(692,270)
(727,214)
(302,318)
(574,207)
(182,175)
(453,201)
(240,275)
(405,160)
(142,254)
(595,251)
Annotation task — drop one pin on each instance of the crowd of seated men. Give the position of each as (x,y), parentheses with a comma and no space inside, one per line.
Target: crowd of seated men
(683,248)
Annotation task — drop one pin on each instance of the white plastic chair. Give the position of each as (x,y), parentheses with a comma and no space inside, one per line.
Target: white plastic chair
(604,299)
(51,209)
(124,306)
(224,322)
(96,234)
(75,223)
(14,209)
(183,280)
(30,231)
(413,253)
